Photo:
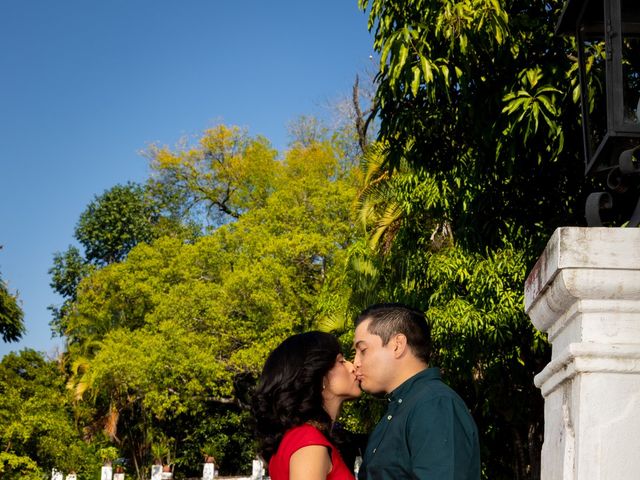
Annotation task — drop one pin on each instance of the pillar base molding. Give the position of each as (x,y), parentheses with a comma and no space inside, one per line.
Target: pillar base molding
(587,358)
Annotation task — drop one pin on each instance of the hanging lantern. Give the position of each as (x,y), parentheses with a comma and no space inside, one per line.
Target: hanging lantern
(607,34)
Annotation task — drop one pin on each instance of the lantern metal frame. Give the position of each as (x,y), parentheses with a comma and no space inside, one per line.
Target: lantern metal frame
(615,155)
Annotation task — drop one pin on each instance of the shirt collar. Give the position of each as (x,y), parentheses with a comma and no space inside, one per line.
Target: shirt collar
(404,388)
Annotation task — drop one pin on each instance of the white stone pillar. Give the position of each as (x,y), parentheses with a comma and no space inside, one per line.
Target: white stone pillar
(208,471)
(156,472)
(584,292)
(257,469)
(106,473)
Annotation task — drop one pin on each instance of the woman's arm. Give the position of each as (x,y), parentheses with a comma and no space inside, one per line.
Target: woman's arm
(310,463)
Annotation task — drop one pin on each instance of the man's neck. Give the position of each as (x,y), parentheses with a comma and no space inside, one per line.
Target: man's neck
(406,372)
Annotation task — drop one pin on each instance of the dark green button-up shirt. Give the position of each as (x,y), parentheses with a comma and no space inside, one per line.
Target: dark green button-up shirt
(427,433)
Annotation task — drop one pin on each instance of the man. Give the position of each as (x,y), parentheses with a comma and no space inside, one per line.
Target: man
(427,431)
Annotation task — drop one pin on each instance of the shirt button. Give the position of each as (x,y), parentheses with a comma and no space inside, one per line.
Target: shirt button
(389,417)
(399,400)
(374,450)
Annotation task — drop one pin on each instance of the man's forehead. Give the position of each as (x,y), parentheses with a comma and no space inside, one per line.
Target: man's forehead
(361,330)
(363,326)
(362,333)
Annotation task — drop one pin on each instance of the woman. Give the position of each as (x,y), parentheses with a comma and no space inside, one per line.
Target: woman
(297,400)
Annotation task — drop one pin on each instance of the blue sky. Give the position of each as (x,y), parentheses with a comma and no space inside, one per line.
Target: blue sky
(86,85)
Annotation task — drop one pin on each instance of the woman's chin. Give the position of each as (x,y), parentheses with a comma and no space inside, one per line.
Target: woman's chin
(355,394)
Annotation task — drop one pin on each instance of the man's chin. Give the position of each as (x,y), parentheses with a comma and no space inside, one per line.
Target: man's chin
(370,390)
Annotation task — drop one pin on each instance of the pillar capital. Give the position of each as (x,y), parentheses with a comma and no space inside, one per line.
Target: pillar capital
(587,274)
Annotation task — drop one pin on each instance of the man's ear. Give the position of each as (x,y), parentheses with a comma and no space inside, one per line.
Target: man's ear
(400,346)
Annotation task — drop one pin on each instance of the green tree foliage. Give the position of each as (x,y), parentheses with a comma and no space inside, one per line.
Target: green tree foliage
(481,95)
(68,269)
(218,179)
(11,315)
(477,103)
(168,339)
(37,431)
(114,222)
(111,225)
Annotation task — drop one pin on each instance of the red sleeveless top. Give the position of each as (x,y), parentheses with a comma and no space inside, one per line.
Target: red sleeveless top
(304,436)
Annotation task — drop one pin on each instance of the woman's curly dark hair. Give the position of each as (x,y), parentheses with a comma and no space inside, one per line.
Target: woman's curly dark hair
(289,391)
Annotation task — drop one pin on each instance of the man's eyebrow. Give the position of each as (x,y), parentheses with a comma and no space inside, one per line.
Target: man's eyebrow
(355,345)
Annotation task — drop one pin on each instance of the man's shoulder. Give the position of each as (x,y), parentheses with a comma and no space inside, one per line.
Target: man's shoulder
(433,388)
(435,394)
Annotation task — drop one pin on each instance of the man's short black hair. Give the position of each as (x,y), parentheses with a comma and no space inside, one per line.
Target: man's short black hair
(389,319)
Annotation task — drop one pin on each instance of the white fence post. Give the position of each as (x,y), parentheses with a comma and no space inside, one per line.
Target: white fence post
(156,472)
(257,469)
(106,473)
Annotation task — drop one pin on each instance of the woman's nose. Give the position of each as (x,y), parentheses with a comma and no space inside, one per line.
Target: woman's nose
(350,366)
(356,362)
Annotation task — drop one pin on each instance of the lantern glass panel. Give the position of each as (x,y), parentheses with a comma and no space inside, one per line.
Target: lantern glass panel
(631,80)
(594,95)
(630,16)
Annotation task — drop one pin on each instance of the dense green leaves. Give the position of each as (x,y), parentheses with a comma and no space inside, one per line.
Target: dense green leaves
(11,315)
(111,225)
(217,180)
(478,161)
(114,223)
(37,432)
(482,92)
